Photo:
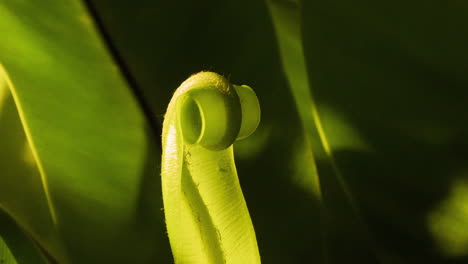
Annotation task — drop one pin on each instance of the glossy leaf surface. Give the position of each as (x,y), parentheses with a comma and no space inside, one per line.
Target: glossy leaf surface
(85,165)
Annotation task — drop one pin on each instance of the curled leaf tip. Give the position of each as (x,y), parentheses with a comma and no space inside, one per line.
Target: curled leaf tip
(206,214)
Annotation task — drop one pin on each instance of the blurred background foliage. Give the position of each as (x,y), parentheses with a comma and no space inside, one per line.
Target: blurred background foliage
(361,155)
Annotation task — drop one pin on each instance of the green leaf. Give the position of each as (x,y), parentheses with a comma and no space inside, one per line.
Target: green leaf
(22,194)
(346,237)
(85,166)
(5,255)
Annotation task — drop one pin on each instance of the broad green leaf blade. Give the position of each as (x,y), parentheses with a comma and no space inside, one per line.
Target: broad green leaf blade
(20,170)
(394,74)
(95,155)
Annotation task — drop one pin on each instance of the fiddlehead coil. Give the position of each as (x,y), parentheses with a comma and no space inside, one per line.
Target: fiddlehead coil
(206,214)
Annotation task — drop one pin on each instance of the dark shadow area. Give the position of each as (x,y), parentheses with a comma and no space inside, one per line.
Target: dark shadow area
(288,220)
(149,222)
(394,71)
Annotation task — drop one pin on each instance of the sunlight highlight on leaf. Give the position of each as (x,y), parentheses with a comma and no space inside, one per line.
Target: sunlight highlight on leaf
(285,17)
(340,133)
(449,220)
(19,166)
(301,175)
(5,254)
(251,147)
(30,143)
